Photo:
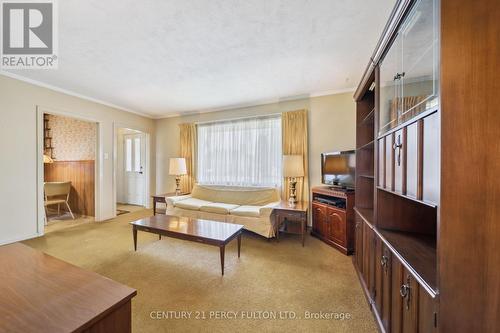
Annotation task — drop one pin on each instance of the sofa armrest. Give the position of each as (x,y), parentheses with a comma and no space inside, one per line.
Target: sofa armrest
(172,200)
(267,210)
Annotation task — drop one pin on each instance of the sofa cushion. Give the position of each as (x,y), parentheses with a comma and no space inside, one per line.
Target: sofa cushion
(191,203)
(252,196)
(250,211)
(218,207)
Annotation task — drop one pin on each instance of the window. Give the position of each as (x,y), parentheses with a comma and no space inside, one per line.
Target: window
(244,152)
(128,155)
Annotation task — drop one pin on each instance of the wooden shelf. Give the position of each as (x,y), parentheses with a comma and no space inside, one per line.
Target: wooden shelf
(407,197)
(369,119)
(417,252)
(368,145)
(366,214)
(408,122)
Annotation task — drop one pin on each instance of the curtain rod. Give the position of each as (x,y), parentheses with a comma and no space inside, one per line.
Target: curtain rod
(238,118)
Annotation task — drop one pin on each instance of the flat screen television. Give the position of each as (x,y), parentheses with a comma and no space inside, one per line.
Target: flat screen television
(337,169)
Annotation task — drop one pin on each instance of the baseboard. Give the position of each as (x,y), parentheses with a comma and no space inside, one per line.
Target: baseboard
(20,239)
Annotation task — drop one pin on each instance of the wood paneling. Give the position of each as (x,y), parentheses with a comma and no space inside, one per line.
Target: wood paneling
(82,177)
(411,160)
(430,172)
(469,246)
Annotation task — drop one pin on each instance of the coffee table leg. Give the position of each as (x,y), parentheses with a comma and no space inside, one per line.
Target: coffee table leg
(222,251)
(159,236)
(154,206)
(239,244)
(134,233)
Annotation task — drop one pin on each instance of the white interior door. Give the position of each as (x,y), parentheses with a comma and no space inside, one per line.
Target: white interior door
(134,157)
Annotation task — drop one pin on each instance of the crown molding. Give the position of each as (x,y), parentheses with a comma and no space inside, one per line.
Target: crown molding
(178,114)
(258,103)
(72,93)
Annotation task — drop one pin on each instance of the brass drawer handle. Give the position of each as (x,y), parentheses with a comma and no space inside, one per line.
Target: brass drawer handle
(384,261)
(405,291)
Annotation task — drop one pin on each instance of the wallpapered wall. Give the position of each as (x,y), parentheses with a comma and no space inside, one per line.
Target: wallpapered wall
(72,139)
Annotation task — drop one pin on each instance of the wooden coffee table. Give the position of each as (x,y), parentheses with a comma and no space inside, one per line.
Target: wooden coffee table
(195,230)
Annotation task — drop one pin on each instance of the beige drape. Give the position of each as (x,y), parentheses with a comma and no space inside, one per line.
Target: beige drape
(188,151)
(294,131)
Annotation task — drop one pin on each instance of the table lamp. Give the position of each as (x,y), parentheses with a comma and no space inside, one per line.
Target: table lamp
(177,168)
(293,167)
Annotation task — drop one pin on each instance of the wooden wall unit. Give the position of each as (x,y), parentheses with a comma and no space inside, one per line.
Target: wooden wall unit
(82,177)
(426,231)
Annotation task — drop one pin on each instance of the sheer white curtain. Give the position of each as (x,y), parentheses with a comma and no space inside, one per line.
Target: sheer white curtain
(243,152)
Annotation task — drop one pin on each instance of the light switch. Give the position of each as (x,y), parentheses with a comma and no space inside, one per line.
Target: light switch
(106,156)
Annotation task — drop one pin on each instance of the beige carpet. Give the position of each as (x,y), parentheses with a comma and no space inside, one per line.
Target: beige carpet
(172,276)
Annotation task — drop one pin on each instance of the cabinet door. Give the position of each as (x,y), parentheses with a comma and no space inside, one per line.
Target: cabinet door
(412,161)
(426,310)
(430,173)
(389,162)
(369,259)
(381,163)
(386,264)
(390,88)
(378,276)
(409,294)
(399,159)
(419,40)
(358,251)
(336,222)
(396,300)
(319,217)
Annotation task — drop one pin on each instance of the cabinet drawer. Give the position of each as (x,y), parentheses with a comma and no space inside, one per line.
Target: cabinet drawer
(290,215)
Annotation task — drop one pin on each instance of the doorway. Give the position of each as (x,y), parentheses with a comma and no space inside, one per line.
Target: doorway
(130,171)
(69,169)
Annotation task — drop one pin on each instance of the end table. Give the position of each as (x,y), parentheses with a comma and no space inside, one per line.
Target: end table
(285,213)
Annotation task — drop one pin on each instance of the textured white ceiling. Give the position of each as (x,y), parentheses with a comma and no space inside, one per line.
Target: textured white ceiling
(165,57)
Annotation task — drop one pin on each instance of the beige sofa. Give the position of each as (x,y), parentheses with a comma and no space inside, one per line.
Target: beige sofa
(251,207)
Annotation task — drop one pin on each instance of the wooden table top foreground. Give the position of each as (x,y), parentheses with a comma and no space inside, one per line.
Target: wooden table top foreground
(39,293)
(206,229)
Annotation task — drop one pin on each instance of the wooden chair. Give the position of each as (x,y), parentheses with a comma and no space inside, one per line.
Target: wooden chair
(57,193)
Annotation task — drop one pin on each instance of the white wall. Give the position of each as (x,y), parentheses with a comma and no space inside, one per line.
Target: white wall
(332,127)
(18,144)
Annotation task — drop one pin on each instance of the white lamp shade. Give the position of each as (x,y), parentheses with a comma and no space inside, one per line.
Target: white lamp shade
(177,166)
(293,166)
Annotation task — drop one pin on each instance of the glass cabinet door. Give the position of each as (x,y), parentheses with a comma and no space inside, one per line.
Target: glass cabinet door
(390,88)
(419,38)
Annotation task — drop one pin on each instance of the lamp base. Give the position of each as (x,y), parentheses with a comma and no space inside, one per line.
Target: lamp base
(292,199)
(177,185)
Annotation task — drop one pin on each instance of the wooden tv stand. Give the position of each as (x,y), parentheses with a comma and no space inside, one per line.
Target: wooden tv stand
(333,222)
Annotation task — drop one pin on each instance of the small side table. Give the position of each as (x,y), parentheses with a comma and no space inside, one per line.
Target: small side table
(160,198)
(284,213)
